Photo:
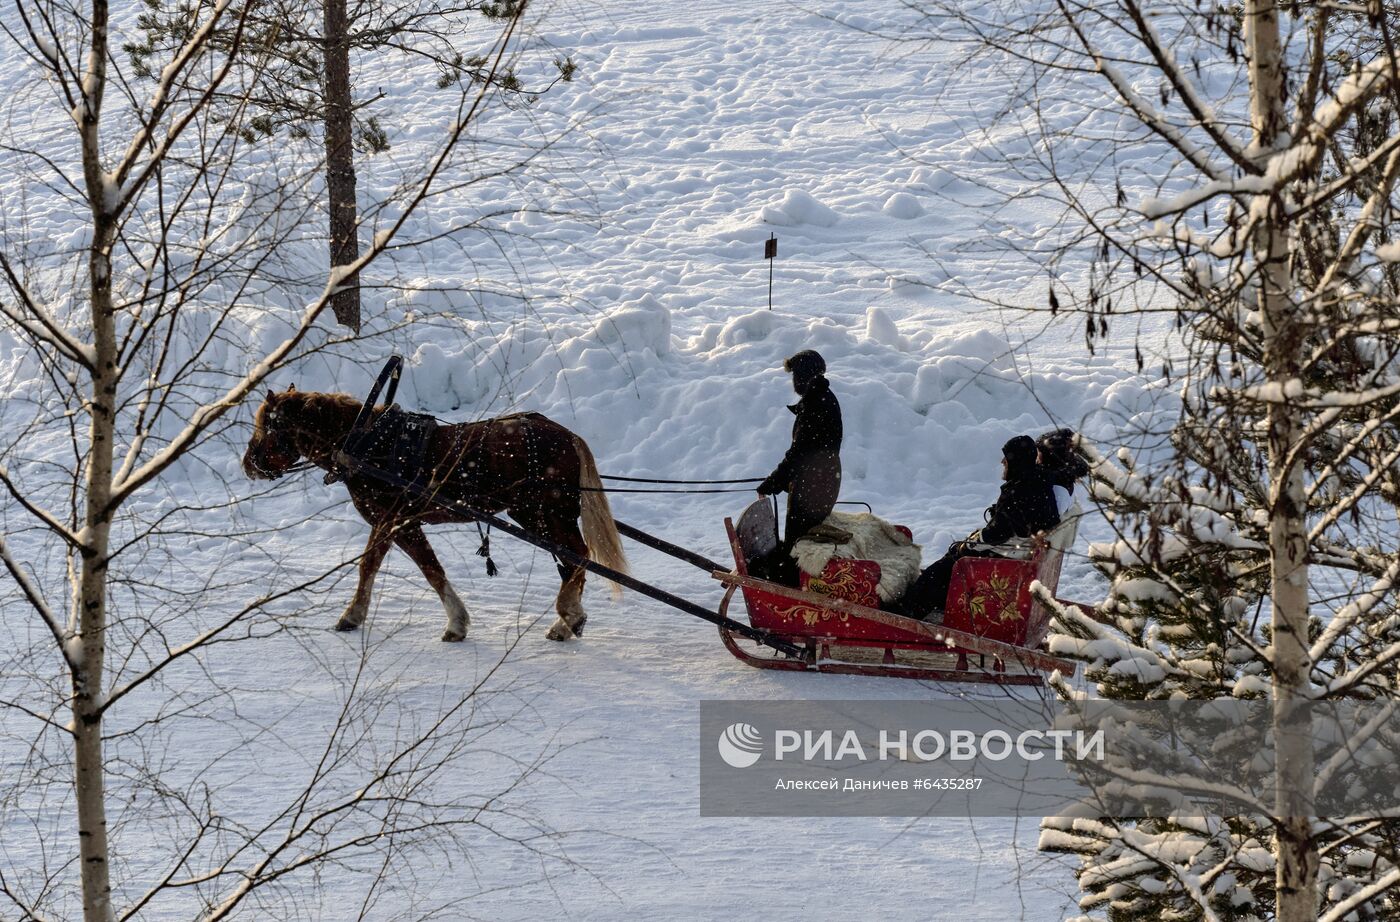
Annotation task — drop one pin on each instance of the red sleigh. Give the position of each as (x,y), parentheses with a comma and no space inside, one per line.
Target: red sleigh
(992,631)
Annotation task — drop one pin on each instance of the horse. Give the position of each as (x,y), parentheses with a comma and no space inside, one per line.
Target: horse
(538,472)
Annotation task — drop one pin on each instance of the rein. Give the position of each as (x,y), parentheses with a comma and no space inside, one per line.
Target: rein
(651,480)
(669,482)
(633,490)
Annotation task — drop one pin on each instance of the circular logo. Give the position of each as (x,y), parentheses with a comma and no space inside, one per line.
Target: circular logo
(740,745)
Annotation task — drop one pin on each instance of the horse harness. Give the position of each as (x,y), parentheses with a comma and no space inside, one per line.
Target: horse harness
(395,440)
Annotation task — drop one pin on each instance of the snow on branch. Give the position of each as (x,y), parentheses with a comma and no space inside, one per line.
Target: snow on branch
(47,329)
(1370,220)
(1344,683)
(1302,157)
(1350,501)
(1361,897)
(49,47)
(119,186)
(206,415)
(1175,780)
(1251,185)
(1293,393)
(1355,170)
(1353,611)
(1357,737)
(1200,110)
(1099,646)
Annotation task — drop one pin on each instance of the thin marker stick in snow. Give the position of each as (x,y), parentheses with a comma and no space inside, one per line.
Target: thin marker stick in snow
(770,253)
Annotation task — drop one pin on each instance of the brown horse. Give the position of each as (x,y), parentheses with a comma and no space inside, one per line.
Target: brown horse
(527,465)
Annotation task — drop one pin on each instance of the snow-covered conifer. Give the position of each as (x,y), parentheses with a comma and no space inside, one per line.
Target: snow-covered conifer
(1233,169)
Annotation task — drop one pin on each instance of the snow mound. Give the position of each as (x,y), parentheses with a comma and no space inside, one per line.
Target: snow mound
(928,388)
(645,324)
(879,328)
(902,206)
(444,379)
(798,208)
(747,328)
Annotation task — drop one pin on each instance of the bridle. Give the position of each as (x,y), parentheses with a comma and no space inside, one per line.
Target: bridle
(274,439)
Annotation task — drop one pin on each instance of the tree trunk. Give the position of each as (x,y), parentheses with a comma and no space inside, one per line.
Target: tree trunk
(91,592)
(1296,852)
(340,162)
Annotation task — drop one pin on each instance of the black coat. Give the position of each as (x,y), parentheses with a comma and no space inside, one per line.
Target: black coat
(816,430)
(1025,506)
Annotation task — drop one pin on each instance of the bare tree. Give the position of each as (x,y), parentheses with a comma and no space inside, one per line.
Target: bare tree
(1230,168)
(184,295)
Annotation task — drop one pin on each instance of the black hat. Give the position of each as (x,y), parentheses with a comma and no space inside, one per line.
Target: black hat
(1060,455)
(1019,452)
(806,364)
(1057,442)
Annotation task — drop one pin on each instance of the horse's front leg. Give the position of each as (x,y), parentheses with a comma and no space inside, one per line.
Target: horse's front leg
(414,543)
(378,546)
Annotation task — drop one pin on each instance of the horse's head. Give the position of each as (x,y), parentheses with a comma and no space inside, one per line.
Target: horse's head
(272,451)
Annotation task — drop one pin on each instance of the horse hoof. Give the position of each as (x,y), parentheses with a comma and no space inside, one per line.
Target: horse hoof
(561,631)
(343,625)
(453,636)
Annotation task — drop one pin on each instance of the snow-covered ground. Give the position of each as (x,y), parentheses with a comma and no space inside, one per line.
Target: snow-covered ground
(650,336)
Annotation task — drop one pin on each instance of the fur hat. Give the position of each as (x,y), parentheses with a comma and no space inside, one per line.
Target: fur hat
(1019,453)
(1059,454)
(806,364)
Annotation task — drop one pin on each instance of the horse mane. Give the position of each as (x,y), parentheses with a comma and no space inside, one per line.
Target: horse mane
(324,417)
(318,403)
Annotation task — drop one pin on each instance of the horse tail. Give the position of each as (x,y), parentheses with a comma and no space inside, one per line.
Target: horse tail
(599,529)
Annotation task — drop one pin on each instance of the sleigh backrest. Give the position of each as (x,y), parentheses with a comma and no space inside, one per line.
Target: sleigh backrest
(1049,560)
(757,530)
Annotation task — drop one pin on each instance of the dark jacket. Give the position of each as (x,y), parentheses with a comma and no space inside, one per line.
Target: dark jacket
(817,428)
(1060,476)
(1025,506)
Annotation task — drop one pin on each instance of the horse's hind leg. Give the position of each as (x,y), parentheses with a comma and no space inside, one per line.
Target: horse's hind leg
(569,603)
(414,543)
(562,530)
(378,546)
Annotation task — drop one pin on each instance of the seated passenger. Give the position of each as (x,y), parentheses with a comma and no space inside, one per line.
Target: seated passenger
(1025,506)
(1061,464)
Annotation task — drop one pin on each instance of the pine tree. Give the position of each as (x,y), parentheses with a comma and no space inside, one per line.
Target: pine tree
(1185,618)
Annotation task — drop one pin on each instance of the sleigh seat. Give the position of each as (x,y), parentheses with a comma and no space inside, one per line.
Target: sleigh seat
(991,596)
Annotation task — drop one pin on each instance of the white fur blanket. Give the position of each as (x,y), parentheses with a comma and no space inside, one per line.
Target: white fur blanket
(872,538)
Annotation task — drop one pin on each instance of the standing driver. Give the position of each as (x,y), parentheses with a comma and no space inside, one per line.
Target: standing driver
(810,472)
